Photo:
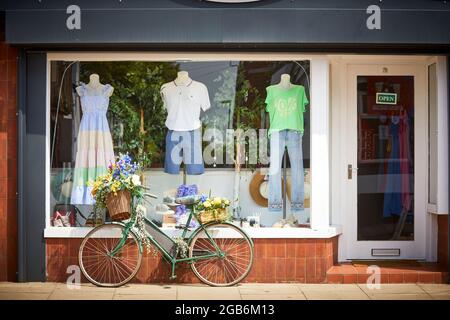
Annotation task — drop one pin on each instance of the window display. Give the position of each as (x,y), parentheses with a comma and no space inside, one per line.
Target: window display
(185,123)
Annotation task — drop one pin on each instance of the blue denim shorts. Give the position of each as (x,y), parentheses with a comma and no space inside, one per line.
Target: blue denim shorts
(186,147)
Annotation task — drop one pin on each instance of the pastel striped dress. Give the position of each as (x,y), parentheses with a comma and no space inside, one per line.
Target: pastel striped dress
(94,144)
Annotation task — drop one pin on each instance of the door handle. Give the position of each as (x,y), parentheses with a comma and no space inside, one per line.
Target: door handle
(350,171)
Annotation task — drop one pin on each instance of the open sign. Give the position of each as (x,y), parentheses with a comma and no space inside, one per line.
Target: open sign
(386,98)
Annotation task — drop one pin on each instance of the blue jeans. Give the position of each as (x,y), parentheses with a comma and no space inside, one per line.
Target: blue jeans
(184,146)
(278,142)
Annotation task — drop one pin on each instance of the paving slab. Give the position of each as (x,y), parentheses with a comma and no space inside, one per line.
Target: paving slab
(437,296)
(200,292)
(273,297)
(435,288)
(84,292)
(328,287)
(333,292)
(30,287)
(144,297)
(143,289)
(24,296)
(393,289)
(400,296)
(87,287)
(268,288)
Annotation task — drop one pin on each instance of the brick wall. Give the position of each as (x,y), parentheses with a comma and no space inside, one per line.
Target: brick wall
(8,159)
(275,260)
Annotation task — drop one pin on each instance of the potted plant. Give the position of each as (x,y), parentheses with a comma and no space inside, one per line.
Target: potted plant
(118,187)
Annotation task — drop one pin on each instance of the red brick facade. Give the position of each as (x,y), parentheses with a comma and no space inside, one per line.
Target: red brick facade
(443,240)
(276,260)
(8,159)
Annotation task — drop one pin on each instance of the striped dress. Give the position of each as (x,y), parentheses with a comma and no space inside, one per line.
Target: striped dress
(94,144)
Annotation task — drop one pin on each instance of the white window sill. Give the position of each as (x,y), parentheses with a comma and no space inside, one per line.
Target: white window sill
(267,233)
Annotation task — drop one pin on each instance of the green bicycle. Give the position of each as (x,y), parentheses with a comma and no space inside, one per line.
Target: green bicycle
(219,253)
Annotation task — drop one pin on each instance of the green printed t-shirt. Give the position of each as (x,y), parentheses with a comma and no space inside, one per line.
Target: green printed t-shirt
(286,107)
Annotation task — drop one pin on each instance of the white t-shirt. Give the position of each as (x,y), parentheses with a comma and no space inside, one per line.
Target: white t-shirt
(183,104)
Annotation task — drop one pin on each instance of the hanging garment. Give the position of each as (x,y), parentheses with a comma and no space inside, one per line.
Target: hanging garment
(184,104)
(279,140)
(393,190)
(186,147)
(94,144)
(406,161)
(286,108)
(383,138)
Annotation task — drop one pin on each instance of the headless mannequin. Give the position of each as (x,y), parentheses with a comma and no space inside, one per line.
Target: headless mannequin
(94,87)
(285,82)
(183,79)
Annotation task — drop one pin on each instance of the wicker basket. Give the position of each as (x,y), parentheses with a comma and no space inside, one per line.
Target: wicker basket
(219,215)
(119,205)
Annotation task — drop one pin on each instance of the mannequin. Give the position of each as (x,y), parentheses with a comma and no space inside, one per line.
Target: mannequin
(95,150)
(286,103)
(285,81)
(94,87)
(184,99)
(183,79)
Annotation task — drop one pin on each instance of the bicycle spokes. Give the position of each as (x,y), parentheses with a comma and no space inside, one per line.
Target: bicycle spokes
(105,263)
(230,263)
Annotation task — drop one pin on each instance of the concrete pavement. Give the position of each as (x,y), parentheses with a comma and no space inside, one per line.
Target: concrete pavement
(245,291)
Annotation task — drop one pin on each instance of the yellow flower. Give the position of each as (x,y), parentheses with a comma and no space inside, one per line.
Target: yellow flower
(207,204)
(227,202)
(217,201)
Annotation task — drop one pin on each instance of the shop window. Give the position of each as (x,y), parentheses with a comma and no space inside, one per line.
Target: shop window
(129,114)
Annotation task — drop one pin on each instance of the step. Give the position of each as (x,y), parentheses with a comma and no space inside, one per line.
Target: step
(401,273)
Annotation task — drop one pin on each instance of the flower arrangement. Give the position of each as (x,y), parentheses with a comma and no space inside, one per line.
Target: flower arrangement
(212,209)
(182,247)
(181,212)
(121,176)
(181,216)
(186,190)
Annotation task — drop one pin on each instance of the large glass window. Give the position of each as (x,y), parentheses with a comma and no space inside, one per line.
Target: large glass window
(235,146)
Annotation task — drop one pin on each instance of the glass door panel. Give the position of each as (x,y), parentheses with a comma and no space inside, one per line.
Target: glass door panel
(385,175)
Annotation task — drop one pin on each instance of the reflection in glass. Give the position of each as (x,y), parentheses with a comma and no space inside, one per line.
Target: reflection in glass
(136,117)
(385,157)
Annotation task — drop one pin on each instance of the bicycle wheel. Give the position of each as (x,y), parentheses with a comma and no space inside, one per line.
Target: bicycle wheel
(230,268)
(103,269)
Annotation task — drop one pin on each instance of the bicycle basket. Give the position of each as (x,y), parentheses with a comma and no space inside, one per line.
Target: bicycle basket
(218,215)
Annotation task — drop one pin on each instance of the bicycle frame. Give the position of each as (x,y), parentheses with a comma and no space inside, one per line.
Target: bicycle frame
(173,260)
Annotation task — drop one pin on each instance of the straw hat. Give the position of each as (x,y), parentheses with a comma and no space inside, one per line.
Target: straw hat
(259,188)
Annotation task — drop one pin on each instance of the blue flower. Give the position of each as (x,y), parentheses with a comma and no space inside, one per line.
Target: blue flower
(187,190)
(180,210)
